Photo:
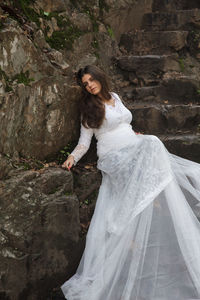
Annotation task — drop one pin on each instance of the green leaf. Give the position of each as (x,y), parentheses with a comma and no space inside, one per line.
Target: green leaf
(46,13)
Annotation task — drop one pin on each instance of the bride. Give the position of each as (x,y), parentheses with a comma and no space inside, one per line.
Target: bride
(143,242)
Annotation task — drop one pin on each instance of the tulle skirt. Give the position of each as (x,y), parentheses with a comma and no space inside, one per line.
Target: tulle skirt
(144,238)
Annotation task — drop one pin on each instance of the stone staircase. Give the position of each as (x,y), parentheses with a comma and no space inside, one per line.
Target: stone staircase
(161,64)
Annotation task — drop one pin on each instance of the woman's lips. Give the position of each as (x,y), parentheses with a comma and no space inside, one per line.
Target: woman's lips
(93,89)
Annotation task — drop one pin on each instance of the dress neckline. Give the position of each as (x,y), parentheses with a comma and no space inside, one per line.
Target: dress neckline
(111,104)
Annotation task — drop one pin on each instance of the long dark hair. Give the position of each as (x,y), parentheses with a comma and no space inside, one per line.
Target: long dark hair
(92,107)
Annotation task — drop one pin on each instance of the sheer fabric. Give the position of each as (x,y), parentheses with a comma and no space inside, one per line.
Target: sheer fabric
(144,238)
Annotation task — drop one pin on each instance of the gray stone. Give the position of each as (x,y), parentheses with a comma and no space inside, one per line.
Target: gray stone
(154,119)
(148,69)
(183,19)
(155,42)
(179,90)
(39,235)
(171,5)
(51,5)
(185,145)
(39,124)
(82,21)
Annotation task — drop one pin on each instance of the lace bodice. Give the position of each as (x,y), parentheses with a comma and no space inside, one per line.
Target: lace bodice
(114,116)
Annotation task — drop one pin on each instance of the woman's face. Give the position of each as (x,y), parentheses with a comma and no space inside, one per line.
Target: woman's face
(92,85)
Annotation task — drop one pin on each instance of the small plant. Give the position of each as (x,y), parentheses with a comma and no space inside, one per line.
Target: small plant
(63,39)
(95,25)
(23,78)
(68,194)
(110,32)
(29,12)
(7,80)
(63,153)
(103,6)
(95,43)
(182,65)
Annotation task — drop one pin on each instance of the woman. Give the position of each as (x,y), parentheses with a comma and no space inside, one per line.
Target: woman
(144,239)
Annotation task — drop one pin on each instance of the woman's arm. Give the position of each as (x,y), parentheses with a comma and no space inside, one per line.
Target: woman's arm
(81,148)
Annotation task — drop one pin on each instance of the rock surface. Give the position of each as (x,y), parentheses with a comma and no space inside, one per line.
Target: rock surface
(44,219)
(39,232)
(160,66)
(151,50)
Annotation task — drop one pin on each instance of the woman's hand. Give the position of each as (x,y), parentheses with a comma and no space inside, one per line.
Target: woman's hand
(69,162)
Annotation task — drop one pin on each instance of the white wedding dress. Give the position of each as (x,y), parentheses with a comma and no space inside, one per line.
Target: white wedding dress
(143,242)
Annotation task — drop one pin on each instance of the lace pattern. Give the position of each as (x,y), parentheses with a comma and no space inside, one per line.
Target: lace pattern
(114,116)
(83,143)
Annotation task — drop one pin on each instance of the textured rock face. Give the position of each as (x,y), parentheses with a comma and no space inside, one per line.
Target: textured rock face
(42,44)
(39,233)
(43,218)
(142,43)
(174,5)
(160,64)
(36,121)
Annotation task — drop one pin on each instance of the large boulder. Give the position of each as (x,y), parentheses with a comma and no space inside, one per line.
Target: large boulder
(36,121)
(39,237)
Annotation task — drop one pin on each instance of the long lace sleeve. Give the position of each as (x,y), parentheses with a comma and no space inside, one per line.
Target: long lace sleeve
(83,143)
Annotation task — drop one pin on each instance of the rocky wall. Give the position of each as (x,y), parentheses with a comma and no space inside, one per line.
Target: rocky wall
(44,210)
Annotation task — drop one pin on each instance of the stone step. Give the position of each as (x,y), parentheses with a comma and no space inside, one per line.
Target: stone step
(184,145)
(171,5)
(148,69)
(152,42)
(169,21)
(157,119)
(183,90)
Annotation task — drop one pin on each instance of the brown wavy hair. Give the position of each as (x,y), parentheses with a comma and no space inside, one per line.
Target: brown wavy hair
(92,108)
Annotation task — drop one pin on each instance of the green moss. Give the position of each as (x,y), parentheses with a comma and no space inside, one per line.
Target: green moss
(23,78)
(97,54)
(182,65)
(68,194)
(7,80)
(29,163)
(95,43)
(29,12)
(8,88)
(26,166)
(103,6)
(89,12)
(74,3)
(63,39)
(3,75)
(110,31)
(61,20)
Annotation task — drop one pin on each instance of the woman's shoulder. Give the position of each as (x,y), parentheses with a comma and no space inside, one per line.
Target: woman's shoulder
(114,93)
(116,96)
